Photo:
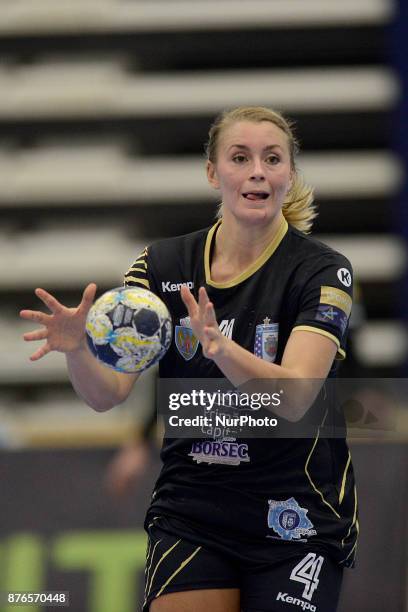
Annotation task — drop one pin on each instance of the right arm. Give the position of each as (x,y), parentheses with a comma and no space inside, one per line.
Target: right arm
(64,331)
(99,386)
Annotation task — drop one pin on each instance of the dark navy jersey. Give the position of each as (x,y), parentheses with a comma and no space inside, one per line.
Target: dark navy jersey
(256,493)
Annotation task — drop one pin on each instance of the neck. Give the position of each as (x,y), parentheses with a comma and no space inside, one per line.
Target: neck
(243,244)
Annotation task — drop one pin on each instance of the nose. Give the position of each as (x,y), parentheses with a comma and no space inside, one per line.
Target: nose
(257,172)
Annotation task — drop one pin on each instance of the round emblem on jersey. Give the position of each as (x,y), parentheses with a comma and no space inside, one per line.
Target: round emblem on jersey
(289,519)
(344,276)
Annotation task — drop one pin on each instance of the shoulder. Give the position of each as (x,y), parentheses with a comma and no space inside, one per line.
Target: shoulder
(313,253)
(175,260)
(179,245)
(167,258)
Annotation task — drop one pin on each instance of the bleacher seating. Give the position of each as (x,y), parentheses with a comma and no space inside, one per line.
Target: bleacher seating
(104,110)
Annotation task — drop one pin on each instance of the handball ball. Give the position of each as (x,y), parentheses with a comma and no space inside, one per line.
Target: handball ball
(129,329)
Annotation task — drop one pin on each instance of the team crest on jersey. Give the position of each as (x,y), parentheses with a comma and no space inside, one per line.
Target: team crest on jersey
(186,342)
(289,520)
(266,340)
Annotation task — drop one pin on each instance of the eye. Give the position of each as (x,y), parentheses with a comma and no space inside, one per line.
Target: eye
(273,159)
(239,158)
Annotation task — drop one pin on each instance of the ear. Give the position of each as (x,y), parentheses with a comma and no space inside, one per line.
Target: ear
(292,180)
(212,175)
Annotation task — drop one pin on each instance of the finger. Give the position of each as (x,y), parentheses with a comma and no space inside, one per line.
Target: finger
(189,301)
(203,300)
(209,347)
(88,297)
(209,315)
(211,333)
(35,315)
(37,334)
(43,350)
(213,346)
(211,350)
(49,300)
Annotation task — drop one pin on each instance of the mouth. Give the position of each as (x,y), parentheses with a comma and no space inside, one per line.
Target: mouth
(256,195)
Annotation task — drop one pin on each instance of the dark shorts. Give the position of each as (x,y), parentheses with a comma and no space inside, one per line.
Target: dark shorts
(303,581)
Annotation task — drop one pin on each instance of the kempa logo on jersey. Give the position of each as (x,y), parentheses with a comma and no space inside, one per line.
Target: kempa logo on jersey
(344,276)
(171,287)
(305,605)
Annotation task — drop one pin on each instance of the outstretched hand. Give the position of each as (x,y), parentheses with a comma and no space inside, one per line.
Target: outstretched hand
(203,322)
(64,329)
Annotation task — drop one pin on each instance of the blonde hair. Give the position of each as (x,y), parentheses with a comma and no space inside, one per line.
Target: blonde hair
(298,208)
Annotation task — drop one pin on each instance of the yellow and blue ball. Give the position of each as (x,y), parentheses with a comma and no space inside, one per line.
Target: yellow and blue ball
(129,329)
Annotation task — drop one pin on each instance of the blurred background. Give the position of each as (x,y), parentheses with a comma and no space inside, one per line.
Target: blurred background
(105,107)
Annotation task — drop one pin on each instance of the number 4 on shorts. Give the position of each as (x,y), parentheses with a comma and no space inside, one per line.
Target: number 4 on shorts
(307,572)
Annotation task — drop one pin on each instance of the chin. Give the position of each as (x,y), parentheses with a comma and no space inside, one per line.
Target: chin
(251,215)
(256,216)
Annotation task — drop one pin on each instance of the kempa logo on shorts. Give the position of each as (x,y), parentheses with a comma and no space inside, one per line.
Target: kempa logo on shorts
(305,605)
(169,286)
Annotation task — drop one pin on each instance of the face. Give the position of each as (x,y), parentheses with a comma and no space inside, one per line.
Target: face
(253,171)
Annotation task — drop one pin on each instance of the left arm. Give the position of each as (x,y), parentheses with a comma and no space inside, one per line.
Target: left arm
(307,358)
